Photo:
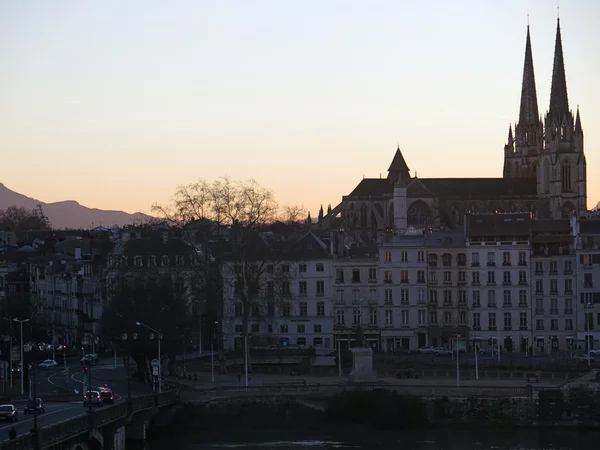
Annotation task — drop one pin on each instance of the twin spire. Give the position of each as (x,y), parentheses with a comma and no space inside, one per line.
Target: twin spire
(559,103)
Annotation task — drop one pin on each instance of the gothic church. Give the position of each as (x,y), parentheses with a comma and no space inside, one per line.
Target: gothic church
(544,172)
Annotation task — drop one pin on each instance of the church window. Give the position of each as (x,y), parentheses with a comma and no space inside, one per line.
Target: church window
(566,177)
(526,138)
(563,133)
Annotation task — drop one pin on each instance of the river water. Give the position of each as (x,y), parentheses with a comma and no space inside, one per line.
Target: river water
(387,440)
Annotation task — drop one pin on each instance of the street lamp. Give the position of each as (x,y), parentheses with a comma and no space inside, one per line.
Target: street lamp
(587,330)
(22,363)
(140,324)
(127,362)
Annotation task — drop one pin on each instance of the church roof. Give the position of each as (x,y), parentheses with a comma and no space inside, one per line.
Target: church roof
(460,188)
(398,163)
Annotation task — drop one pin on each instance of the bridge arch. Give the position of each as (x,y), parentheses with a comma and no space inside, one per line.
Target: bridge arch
(95,441)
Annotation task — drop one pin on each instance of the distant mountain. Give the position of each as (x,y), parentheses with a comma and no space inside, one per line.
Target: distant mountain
(70,214)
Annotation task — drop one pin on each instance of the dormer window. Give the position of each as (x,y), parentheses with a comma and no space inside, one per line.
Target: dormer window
(137,261)
(152,261)
(164,261)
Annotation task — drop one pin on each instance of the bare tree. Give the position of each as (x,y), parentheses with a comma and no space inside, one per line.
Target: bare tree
(235,213)
(293,214)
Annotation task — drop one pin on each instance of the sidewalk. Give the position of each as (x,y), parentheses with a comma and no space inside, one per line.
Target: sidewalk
(204,381)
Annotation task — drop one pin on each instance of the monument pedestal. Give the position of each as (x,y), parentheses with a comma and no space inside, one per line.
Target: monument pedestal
(362,365)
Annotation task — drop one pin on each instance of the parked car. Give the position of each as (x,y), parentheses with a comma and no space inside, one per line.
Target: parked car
(442,351)
(107,394)
(36,405)
(90,358)
(426,349)
(48,364)
(9,412)
(92,397)
(594,352)
(402,351)
(18,367)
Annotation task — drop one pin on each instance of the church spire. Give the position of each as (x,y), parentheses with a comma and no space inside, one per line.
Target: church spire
(559,102)
(510,136)
(578,129)
(528,114)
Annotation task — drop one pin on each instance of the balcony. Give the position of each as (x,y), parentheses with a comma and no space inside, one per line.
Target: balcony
(522,282)
(568,311)
(475,264)
(553,272)
(476,305)
(554,311)
(491,328)
(506,264)
(539,272)
(539,310)
(506,283)
(475,283)
(462,282)
(491,264)
(339,281)
(522,263)
(387,281)
(491,305)
(553,291)
(568,272)
(507,305)
(568,292)
(491,283)
(522,305)
(372,280)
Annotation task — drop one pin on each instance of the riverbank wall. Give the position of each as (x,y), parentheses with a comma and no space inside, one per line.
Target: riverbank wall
(384,409)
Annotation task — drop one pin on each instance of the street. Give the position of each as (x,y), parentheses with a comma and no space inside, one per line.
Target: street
(53,381)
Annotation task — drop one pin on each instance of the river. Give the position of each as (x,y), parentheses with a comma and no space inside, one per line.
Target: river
(482,439)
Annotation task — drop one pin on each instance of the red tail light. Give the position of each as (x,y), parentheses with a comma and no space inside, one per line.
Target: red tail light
(111,397)
(85,396)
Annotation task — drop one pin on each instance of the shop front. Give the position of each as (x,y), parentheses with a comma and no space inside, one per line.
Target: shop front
(346,338)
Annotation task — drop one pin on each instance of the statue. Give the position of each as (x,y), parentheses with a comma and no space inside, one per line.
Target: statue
(360,340)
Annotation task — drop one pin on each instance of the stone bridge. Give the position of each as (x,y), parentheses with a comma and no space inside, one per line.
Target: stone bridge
(103,429)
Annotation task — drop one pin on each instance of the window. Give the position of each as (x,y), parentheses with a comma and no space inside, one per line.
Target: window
(539,268)
(476,299)
(507,298)
(320,288)
(388,297)
(568,324)
(553,267)
(373,316)
(301,268)
(447,276)
(339,275)
(522,259)
(539,287)
(137,261)
(477,321)
(523,321)
(302,289)
(355,295)
(317,341)
(286,310)
(372,295)
(285,288)
(285,268)
(491,321)
(389,321)
(554,324)
(568,286)
(404,256)
(447,259)
(420,256)
(420,276)
(432,277)
(447,318)
(475,278)
(539,306)
(320,309)
(507,321)
(447,297)
(404,276)
(340,294)
(568,268)
(522,297)
(491,299)
(461,259)
(491,279)
(387,276)
(433,298)
(522,277)
(506,277)
(433,259)
(283,328)
(420,295)
(588,281)
(405,317)
(164,261)
(372,274)
(239,309)
(433,317)
(356,275)
(341,319)
(270,268)
(320,267)
(301,329)
(356,313)
(462,276)
(506,259)
(152,261)
(270,328)
(491,259)
(553,306)
(388,257)
(539,324)
(421,317)
(475,258)
(462,296)
(568,306)
(462,318)
(554,286)
(404,296)
(301,341)
(303,307)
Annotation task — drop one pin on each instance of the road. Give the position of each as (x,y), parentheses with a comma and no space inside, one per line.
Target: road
(104,373)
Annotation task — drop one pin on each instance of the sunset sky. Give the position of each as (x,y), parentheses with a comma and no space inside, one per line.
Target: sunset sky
(114,103)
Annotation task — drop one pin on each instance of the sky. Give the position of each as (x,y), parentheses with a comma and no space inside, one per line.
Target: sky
(115,103)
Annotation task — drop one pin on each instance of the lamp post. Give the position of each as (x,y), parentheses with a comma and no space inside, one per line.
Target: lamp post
(141,324)
(126,362)
(22,364)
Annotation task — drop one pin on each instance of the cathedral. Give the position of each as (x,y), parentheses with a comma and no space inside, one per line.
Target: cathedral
(544,172)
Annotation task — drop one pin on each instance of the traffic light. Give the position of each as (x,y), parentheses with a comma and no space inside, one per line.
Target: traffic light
(85,370)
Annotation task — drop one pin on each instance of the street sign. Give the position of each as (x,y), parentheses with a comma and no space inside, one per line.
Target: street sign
(155,371)
(155,363)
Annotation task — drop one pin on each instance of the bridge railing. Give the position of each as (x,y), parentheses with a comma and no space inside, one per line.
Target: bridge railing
(70,428)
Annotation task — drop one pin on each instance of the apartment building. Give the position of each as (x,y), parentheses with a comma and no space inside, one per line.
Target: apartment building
(552,286)
(498,255)
(587,256)
(447,287)
(403,295)
(295,303)
(356,296)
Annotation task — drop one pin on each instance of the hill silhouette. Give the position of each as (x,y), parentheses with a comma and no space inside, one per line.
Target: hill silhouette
(70,214)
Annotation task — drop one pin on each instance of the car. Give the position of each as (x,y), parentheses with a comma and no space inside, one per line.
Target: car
(48,364)
(9,412)
(90,358)
(594,352)
(442,351)
(92,397)
(36,405)
(402,351)
(426,349)
(18,367)
(107,394)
